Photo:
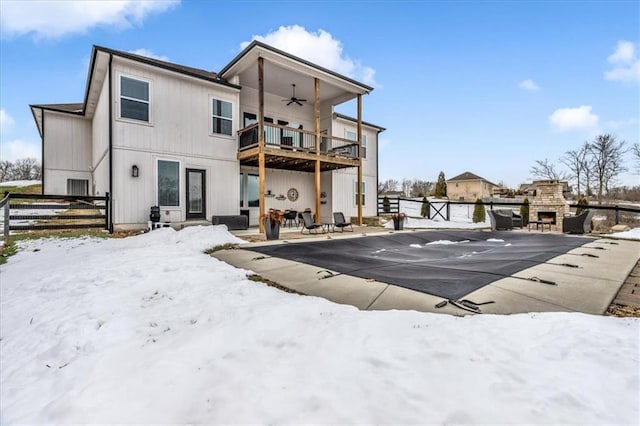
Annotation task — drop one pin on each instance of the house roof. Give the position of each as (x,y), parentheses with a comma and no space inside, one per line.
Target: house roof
(71,108)
(469,176)
(355,120)
(182,69)
(257,45)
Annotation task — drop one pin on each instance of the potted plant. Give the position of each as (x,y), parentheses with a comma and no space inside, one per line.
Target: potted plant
(398,220)
(272,221)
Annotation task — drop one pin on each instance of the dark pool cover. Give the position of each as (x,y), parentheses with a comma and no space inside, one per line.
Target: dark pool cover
(450,264)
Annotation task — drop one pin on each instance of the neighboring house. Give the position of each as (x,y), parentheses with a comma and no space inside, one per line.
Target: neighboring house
(469,187)
(198,143)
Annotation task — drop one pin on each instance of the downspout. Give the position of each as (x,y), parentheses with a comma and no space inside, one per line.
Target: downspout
(110,147)
(42,154)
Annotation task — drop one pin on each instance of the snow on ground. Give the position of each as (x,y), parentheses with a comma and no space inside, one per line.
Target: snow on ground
(632,234)
(148,329)
(20,183)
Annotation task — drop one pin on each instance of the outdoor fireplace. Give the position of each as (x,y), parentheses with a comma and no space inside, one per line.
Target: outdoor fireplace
(548,204)
(547,217)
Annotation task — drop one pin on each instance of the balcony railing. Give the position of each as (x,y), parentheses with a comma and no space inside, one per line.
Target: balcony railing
(289,138)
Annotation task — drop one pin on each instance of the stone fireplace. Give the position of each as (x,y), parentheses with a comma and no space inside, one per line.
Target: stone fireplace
(547,203)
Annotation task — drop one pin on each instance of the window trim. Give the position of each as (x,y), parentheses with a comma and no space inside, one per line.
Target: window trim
(86,186)
(121,96)
(212,116)
(355,193)
(179,206)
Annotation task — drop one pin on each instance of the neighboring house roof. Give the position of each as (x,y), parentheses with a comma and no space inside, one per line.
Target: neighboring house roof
(469,176)
(259,45)
(355,120)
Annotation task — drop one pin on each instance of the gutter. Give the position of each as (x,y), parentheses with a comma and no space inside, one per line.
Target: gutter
(110,146)
(42,154)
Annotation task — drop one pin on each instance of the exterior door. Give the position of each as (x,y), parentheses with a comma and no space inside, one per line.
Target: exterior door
(196,202)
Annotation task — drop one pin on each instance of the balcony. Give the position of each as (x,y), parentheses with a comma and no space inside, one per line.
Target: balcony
(295,149)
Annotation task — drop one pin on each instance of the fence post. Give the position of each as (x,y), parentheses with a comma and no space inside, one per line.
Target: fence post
(617,215)
(491,205)
(6,217)
(107,213)
(448,211)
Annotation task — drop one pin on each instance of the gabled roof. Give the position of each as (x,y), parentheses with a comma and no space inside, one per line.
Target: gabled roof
(270,50)
(355,120)
(71,108)
(469,176)
(182,69)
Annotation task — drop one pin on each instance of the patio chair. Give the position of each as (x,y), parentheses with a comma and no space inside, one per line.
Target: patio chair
(340,222)
(579,224)
(500,221)
(516,219)
(309,224)
(290,217)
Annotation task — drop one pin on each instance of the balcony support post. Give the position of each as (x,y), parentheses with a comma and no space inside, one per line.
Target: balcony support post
(261,165)
(316,124)
(359,159)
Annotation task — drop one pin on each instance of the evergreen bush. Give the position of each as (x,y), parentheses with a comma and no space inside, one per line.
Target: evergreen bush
(479,212)
(424,211)
(441,186)
(386,205)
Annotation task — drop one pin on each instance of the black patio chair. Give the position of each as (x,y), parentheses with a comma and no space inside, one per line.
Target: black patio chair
(309,224)
(499,220)
(290,217)
(516,219)
(340,222)
(579,224)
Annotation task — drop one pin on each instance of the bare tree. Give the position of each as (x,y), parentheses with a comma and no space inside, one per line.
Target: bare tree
(5,170)
(635,149)
(576,161)
(544,169)
(406,186)
(23,169)
(387,185)
(421,188)
(606,154)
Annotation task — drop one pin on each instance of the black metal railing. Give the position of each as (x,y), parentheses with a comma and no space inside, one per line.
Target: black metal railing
(289,138)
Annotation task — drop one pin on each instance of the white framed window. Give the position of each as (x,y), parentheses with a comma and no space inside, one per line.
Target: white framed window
(355,192)
(135,99)
(77,187)
(353,136)
(168,176)
(221,117)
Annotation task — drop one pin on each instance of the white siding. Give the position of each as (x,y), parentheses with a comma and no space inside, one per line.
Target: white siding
(180,130)
(100,149)
(67,151)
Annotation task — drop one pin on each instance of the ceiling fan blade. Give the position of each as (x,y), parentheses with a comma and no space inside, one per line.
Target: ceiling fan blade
(298,102)
(290,102)
(302,100)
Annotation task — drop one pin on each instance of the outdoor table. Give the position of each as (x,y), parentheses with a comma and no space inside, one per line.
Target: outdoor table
(539,224)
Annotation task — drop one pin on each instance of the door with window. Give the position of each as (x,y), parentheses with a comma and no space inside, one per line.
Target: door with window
(196,202)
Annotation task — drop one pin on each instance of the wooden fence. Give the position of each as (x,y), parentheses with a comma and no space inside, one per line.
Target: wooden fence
(32,212)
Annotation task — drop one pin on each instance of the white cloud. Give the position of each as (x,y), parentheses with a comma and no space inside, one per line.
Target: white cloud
(149,54)
(52,19)
(318,47)
(528,85)
(580,118)
(6,121)
(17,149)
(625,62)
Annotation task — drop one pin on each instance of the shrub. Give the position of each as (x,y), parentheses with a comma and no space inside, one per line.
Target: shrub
(441,186)
(479,212)
(386,205)
(524,212)
(583,203)
(424,210)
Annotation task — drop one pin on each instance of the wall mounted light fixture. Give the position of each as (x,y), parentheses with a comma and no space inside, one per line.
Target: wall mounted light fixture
(134,171)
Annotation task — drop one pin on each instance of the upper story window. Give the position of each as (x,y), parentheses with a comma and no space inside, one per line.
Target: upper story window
(222,117)
(134,99)
(354,137)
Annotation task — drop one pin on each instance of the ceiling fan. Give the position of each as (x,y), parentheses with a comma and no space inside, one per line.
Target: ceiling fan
(293,98)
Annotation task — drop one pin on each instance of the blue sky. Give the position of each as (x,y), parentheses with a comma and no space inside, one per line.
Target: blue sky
(487,87)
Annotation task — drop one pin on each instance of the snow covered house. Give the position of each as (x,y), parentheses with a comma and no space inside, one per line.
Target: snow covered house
(261,133)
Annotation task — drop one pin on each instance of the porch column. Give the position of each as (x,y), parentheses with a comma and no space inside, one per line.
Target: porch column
(261,170)
(359,159)
(316,122)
